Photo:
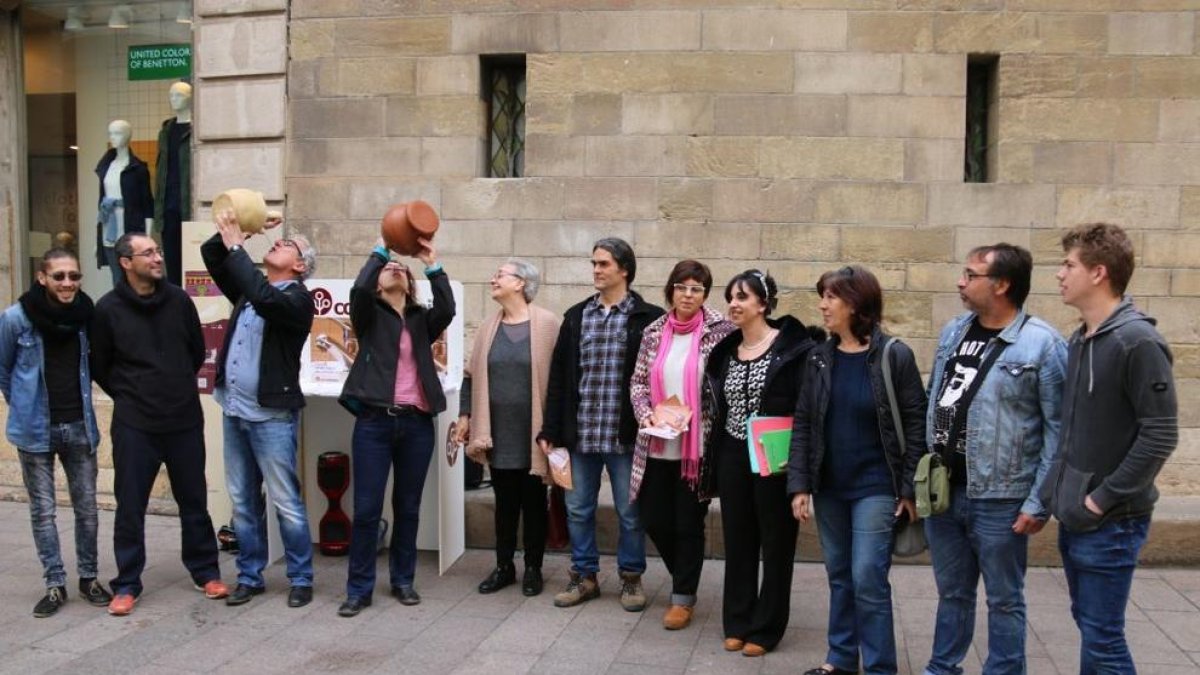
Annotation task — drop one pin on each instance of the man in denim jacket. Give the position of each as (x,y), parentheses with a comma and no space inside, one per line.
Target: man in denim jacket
(45,379)
(994,417)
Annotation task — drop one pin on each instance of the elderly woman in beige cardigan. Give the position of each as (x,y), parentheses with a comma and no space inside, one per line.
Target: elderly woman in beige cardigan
(503,395)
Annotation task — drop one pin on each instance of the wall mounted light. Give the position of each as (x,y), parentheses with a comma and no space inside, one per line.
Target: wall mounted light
(185,13)
(74,19)
(119,17)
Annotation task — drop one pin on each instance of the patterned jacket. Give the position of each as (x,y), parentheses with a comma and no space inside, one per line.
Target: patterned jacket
(715,328)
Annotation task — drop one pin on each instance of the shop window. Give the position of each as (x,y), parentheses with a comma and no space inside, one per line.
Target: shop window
(980,156)
(504,92)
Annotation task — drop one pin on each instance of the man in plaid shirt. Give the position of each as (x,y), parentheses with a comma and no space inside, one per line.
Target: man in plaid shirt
(588,412)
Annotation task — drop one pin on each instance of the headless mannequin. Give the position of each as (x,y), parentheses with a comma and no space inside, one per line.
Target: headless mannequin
(172,178)
(112,187)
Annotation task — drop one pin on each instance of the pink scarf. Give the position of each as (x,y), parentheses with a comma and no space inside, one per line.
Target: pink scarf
(690,440)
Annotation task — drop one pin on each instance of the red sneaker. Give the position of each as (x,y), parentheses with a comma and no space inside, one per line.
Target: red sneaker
(214,590)
(122,604)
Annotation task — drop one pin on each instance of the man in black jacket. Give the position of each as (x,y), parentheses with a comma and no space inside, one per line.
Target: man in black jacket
(146,349)
(1119,425)
(588,411)
(258,387)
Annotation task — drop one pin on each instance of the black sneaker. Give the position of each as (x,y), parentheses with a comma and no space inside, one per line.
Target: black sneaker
(94,592)
(56,596)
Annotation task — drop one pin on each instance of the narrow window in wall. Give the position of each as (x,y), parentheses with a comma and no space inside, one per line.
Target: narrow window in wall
(504,90)
(980,157)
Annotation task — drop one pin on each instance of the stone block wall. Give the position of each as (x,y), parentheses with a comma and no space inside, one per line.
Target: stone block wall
(795,136)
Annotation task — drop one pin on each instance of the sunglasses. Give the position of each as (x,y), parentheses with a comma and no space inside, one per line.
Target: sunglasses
(59,276)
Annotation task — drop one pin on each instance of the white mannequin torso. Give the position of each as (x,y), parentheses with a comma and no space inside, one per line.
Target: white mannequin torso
(112,188)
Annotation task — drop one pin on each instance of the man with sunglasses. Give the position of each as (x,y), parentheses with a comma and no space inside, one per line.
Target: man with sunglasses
(45,379)
(995,394)
(258,388)
(146,349)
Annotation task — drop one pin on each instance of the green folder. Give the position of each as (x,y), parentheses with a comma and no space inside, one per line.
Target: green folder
(776,445)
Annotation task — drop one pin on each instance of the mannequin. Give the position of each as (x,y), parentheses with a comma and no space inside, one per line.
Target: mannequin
(172,178)
(126,204)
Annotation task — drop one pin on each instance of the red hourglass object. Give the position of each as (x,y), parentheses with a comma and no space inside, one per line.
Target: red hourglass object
(333,477)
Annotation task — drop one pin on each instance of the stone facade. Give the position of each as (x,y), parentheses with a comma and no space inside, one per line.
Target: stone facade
(794,135)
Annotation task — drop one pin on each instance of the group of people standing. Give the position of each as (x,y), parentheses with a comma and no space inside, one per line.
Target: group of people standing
(1028,424)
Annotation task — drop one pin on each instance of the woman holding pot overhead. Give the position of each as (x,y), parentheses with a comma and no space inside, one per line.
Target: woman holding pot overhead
(500,411)
(671,478)
(755,371)
(849,458)
(394,393)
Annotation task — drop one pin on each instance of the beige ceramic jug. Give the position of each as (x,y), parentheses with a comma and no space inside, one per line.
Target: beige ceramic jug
(248,205)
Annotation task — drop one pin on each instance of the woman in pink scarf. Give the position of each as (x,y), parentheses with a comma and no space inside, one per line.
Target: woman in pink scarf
(670,477)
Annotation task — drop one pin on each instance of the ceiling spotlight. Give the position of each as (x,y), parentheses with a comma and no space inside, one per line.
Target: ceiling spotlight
(185,13)
(119,17)
(74,19)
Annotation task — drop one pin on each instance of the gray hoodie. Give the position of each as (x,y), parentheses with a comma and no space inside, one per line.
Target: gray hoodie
(1119,422)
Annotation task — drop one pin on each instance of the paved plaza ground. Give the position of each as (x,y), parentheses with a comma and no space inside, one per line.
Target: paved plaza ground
(455,630)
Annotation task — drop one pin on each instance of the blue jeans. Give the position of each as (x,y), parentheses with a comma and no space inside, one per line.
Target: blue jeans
(856,540)
(403,445)
(973,538)
(1099,568)
(258,452)
(70,443)
(581,513)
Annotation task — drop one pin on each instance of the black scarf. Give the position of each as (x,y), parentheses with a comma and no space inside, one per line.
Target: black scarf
(54,320)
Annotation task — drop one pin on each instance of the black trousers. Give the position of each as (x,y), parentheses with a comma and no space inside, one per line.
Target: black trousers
(517,492)
(756,516)
(172,246)
(674,520)
(137,457)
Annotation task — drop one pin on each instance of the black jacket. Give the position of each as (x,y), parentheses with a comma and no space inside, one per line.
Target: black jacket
(372,378)
(560,423)
(1119,422)
(135,195)
(287,315)
(808,430)
(145,355)
(782,384)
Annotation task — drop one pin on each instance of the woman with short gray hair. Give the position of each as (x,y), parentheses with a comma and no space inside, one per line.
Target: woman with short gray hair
(500,411)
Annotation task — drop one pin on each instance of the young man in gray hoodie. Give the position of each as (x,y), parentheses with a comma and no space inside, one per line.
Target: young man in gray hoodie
(1119,425)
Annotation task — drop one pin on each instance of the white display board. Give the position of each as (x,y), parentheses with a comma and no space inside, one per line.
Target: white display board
(326,426)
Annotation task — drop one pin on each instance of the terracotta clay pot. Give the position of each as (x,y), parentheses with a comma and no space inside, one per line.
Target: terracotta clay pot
(405,222)
(248,205)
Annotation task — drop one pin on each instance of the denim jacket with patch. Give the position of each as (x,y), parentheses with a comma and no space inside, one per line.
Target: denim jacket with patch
(1013,422)
(23,381)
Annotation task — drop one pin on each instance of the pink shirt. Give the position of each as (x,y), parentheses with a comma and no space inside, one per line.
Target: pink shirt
(408,389)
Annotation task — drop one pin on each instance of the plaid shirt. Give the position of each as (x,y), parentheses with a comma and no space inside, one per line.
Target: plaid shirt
(601,360)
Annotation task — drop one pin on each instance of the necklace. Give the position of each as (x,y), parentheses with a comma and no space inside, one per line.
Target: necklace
(770,334)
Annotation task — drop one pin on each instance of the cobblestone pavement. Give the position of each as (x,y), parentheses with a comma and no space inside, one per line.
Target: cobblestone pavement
(456,630)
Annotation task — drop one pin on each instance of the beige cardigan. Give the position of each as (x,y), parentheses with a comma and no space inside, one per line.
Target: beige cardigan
(543,331)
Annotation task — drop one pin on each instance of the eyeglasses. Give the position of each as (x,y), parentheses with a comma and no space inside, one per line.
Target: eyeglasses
(59,276)
(502,273)
(148,253)
(971,275)
(292,243)
(688,289)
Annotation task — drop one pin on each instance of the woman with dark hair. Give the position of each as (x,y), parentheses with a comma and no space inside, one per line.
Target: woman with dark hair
(847,456)
(755,370)
(394,393)
(673,489)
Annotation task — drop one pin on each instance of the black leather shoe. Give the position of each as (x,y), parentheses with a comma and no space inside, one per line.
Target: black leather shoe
(353,605)
(503,575)
(407,595)
(825,671)
(242,594)
(299,596)
(531,583)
